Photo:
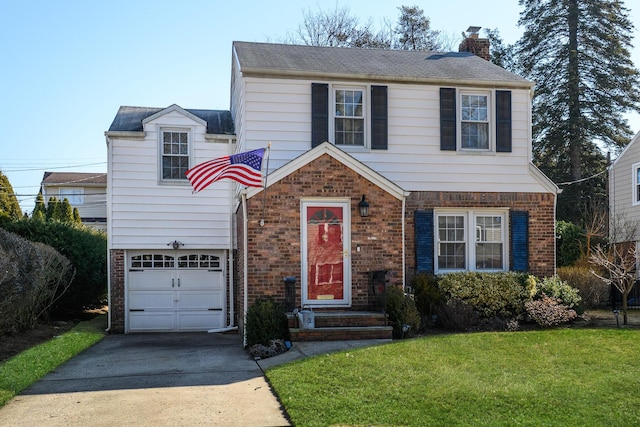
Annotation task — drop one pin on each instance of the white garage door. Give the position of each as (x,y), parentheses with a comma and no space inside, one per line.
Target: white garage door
(176,291)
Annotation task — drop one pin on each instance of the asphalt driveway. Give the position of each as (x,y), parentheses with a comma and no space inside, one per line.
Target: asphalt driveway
(180,379)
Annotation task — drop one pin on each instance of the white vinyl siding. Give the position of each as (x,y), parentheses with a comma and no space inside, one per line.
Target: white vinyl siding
(148,213)
(279,111)
(624,206)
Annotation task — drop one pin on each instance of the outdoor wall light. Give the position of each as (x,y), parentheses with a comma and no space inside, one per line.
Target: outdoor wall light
(363,207)
(175,244)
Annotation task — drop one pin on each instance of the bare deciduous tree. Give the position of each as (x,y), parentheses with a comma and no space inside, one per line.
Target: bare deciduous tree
(618,259)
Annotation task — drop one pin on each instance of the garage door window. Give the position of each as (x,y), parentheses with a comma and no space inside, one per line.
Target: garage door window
(152,261)
(199,261)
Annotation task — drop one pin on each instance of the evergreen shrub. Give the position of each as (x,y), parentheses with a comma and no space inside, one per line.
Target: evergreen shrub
(266,321)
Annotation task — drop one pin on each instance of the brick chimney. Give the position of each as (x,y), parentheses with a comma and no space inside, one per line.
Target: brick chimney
(474,44)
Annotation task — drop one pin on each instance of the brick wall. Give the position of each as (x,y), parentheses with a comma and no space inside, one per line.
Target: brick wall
(274,249)
(477,46)
(541,208)
(116,308)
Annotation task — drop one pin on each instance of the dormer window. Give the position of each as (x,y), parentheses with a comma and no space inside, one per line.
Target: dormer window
(175,154)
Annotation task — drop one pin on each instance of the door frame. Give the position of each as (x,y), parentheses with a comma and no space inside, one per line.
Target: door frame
(345,204)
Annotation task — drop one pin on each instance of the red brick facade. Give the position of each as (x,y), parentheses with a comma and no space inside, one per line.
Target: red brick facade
(274,249)
(116,303)
(540,206)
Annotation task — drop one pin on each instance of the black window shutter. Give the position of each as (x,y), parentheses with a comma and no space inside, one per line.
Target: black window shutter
(319,113)
(520,240)
(423,223)
(447,119)
(379,139)
(503,121)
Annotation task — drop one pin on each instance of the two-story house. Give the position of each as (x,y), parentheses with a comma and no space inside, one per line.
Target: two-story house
(85,191)
(436,145)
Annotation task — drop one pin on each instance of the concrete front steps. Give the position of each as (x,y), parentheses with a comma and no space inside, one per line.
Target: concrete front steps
(341,326)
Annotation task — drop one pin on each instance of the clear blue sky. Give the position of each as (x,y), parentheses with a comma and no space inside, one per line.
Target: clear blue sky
(68,65)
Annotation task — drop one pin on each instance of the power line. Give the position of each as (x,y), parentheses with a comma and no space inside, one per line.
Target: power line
(581,180)
(54,167)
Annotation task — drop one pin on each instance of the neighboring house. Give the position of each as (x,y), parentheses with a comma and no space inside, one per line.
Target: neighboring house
(439,145)
(624,194)
(85,191)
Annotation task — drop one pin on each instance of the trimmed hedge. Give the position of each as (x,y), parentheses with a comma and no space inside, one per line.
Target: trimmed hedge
(84,247)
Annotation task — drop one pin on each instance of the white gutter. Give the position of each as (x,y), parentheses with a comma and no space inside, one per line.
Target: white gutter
(109,175)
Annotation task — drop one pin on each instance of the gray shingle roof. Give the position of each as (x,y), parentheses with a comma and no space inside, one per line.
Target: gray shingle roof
(71,178)
(129,119)
(371,64)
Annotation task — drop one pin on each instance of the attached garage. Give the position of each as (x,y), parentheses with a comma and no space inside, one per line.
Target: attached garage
(175,291)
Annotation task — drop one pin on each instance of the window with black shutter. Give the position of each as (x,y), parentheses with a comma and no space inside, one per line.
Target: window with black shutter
(448,119)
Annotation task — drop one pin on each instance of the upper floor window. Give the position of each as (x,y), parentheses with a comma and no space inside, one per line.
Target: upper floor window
(474,121)
(636,184)
(349,117)
(175,154)
(74,195)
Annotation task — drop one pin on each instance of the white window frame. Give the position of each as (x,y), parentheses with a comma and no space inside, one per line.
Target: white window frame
(635,184)
(161,131)
(366,112)
(75,195)
(471,237)
(489,121)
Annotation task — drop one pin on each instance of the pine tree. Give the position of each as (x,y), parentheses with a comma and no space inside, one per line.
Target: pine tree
(39,210)
(51,208)
(66,211)
(9,204)
(414,30)
(577,52)
(76,216)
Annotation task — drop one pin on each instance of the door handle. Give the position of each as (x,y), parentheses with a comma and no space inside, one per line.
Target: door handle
(173,282)
(178,282)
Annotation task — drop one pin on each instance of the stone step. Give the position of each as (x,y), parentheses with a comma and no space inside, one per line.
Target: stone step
(338,319)
(341,333)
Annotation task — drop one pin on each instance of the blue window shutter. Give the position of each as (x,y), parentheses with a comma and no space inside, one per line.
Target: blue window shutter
(503,121)
(448,119)
(319,113)
(520,241)
(423,224)
(379,117)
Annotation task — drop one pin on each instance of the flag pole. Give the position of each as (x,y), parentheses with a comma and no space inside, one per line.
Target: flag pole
(266,175)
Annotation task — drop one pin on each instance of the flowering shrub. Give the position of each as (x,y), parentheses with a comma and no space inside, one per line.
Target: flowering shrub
(490,294)
(547,311)
(559,290)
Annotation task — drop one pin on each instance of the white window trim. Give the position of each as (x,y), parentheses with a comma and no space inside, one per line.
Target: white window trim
(634,184)
(470,237)
(490,94)
(366,107)
(190,131)
(72,197)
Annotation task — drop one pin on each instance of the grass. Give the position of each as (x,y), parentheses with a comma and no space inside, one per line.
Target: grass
(24,369)
(557,377)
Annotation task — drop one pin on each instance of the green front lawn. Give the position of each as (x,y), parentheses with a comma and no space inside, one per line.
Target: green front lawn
(21,371)
(558,377)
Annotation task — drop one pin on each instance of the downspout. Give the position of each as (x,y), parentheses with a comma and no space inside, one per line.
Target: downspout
(231,325)
(231,234)
(404,241)
(245,267)
(109,310)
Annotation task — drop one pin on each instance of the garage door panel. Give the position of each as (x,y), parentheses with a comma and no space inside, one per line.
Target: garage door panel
(149,300)
(200,320)
(140,321)
(141,280)
(176,291)
(200,280)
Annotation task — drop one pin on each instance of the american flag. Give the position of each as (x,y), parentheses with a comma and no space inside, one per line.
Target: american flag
(245,168)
